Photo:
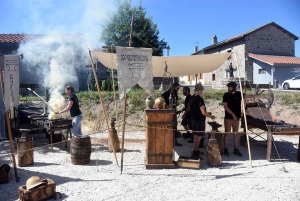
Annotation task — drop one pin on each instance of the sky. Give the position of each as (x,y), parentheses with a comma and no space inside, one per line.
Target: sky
(184,24)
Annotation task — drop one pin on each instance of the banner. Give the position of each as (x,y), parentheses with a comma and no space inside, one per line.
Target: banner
(11,81)
(134,67)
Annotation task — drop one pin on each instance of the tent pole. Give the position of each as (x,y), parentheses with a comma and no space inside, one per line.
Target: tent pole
(102,103)
(244,110)
(12,149)
(125,98)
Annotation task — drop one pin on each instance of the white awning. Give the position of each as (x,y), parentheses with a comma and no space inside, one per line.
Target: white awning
(177,65)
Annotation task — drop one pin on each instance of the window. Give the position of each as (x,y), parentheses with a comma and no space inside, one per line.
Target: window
(262,71)
(213,77)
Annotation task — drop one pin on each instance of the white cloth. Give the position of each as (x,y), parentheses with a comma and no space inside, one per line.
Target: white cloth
(11,81)
(177,65)
(134,67)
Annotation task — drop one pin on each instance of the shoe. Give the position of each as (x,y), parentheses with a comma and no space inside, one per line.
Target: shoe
(191,140)
(237,152)
(226,152)
(195,154)
(177,144)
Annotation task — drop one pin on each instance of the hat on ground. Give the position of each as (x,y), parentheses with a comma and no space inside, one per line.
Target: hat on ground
(33,182)
(199,87)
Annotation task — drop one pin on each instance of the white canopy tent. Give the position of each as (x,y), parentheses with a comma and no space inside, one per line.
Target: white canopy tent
(177,65)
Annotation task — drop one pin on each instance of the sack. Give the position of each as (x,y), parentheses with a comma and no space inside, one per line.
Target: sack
(45,191)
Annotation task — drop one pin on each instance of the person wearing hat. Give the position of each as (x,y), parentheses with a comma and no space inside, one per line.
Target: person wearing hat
(232,100)
(198,117)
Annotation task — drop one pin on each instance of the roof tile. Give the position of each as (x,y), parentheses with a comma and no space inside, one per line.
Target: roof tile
(276,60)
(21,38)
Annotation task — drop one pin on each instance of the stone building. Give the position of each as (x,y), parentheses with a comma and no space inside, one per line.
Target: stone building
(269,40)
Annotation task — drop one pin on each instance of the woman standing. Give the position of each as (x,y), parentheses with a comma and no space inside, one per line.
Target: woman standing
(75,112)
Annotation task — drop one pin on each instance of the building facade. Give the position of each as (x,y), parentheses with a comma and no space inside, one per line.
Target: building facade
(269,39)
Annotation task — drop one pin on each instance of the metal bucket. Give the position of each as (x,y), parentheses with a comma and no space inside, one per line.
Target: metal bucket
(80,150)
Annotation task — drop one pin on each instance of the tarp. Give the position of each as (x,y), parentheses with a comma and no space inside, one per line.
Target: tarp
(177,65)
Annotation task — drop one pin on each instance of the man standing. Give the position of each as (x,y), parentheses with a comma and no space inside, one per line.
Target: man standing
(232,105)
(186,117)
(173,93)
(73,106)
(198,117)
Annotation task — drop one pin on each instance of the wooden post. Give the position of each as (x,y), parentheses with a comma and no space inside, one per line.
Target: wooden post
(244,110)
(269,96)
(298,156)
(269,143)
(125,99)
(115,100)
(12,149)
(123,131)
(102,103)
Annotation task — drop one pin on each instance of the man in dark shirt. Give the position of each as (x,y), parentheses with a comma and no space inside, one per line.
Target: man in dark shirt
(173,92)
(198,117)
(186,117)
(232,105)
(73,106)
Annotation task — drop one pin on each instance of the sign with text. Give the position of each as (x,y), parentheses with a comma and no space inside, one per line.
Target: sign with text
(11,65)
(134,67)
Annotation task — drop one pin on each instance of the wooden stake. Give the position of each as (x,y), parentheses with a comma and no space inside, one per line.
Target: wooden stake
(12,149)
(115,100)
(125,98)
(102,103)
(244,110)
(123,131)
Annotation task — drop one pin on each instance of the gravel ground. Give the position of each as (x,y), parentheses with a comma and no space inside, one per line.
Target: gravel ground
(101,178)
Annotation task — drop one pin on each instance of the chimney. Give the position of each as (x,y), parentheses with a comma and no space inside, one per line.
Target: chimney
(195,49)
(215,40)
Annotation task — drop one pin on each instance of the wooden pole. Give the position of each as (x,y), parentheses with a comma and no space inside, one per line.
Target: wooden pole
(125,98)
(269,96)
(12,149)
(115,100)
(244,110)
(102,103)
(123,131)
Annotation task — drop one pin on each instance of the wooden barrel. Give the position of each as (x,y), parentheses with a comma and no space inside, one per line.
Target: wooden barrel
(80,150)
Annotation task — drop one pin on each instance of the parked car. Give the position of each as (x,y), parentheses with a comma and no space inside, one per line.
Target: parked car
(292,83)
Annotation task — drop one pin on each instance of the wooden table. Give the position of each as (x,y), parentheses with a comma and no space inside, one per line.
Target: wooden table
(281,130)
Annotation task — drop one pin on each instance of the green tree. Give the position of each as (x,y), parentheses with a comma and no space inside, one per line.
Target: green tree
(146,34)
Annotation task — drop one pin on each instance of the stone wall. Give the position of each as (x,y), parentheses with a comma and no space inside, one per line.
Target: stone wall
(221,74)
(270,40)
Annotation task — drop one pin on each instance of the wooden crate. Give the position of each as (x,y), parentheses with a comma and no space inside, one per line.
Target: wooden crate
(189,162)
(159,138)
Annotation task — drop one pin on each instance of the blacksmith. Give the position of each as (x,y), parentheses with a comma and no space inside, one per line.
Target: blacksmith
(73,106)
(198,117)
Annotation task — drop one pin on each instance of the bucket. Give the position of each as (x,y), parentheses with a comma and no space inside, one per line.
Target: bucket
(80,150)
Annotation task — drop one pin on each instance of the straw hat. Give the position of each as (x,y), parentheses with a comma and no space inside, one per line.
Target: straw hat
(33,182)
